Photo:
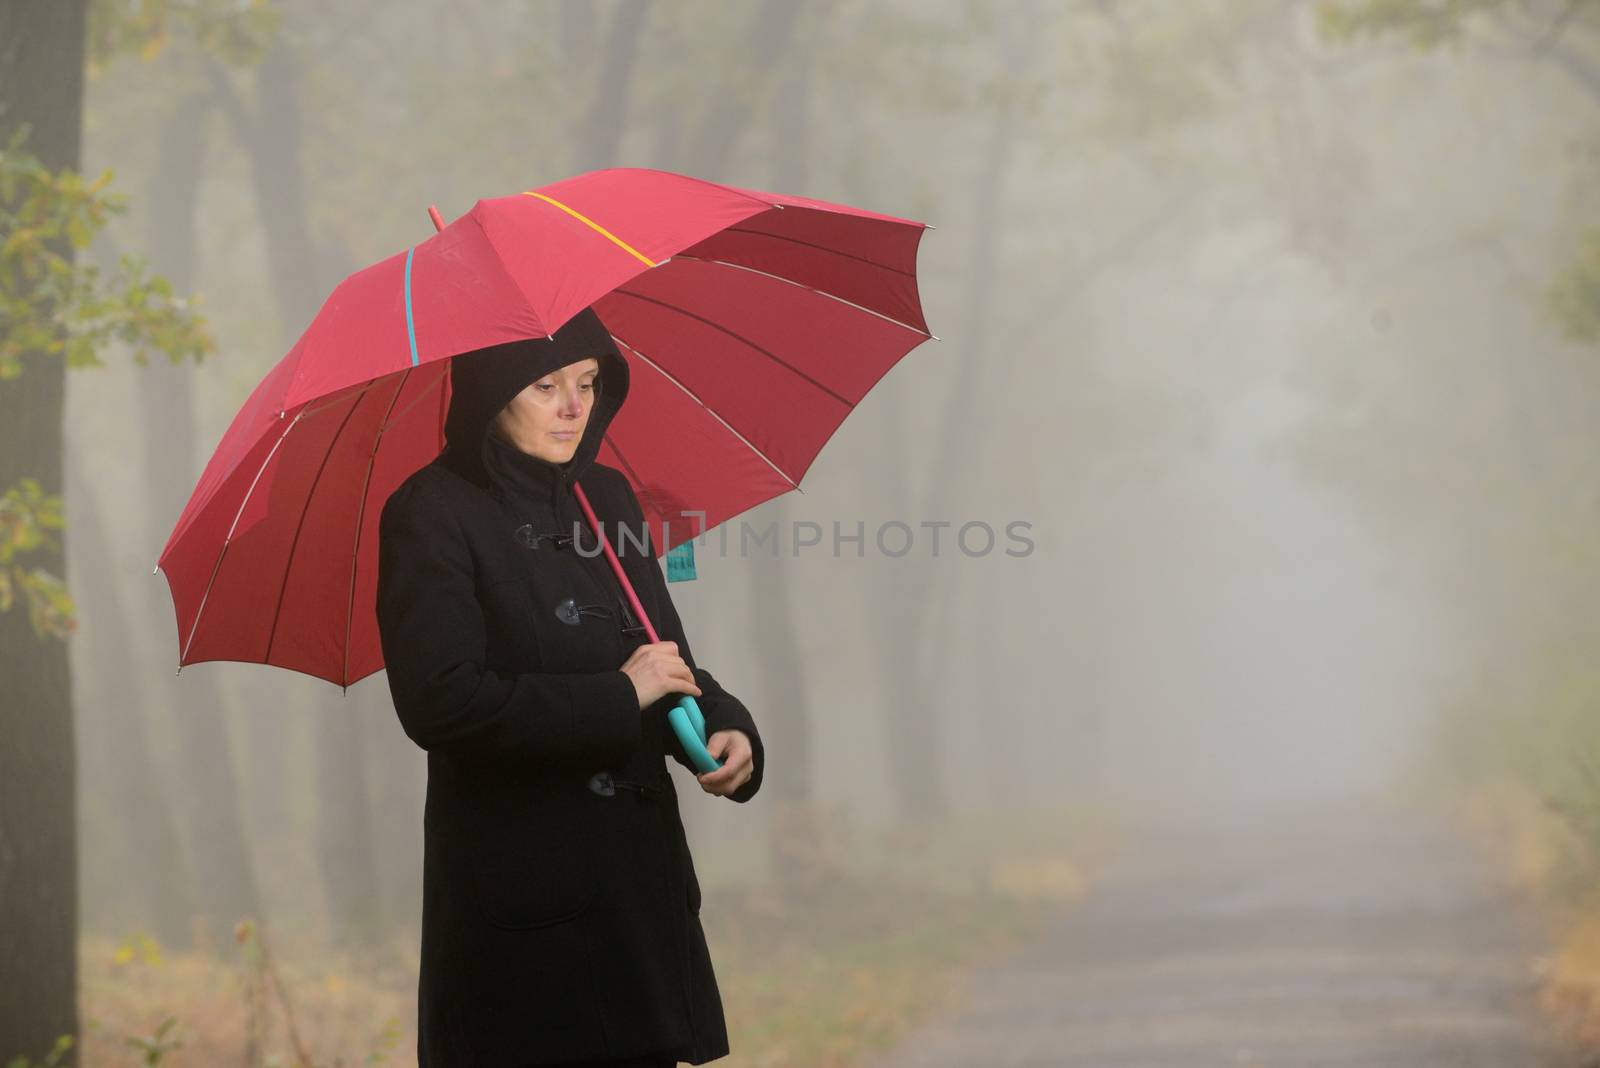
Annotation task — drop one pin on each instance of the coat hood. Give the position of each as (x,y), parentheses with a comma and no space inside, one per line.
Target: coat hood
(482,382)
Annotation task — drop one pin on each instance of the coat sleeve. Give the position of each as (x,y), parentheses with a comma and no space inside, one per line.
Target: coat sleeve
(721,709)
(432,632)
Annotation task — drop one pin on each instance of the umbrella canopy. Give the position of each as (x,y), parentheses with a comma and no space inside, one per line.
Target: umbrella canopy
(753,323)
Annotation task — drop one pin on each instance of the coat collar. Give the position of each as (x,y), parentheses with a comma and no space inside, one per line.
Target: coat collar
(512,472)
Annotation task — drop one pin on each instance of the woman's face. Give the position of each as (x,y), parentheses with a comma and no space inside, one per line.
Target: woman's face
(547,418)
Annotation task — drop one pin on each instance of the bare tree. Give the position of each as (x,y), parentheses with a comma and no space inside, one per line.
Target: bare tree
(224,870)
(41,85)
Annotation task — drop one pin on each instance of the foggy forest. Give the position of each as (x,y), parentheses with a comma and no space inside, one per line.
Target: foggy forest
(1183,654)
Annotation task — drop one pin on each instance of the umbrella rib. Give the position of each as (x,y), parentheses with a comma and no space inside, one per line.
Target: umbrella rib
(774,357)
(819,248)
(712,411)
(444,408)
(195,626)
(344,394)
(813,289)
(204,494)
(361,516)
(300,524)
(391,420)
(633,476)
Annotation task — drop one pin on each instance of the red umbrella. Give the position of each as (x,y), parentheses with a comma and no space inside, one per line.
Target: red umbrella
(753,323)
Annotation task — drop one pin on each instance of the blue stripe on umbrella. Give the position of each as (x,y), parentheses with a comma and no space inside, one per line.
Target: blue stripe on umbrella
(411,326)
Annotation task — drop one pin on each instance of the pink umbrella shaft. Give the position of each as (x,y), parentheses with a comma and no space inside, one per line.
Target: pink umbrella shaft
(616,565)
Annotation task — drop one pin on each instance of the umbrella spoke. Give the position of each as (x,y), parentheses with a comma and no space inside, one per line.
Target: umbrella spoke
(741,339)
(709,410)
(390,421)
(361,513)
(819,248)
(311,494)
(195,626)
(812,289)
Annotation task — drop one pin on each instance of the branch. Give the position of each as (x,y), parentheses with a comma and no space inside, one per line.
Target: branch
(1557,25)
(1549,46)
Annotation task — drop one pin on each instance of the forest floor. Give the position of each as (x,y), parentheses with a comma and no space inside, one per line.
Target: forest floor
(1365,936)
(870,947)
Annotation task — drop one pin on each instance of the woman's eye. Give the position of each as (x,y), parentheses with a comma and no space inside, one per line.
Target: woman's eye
(544,387)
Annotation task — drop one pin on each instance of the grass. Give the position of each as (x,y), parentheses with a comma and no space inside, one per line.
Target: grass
(1556,870)
(1521,766)
(868,938)
(229,1009)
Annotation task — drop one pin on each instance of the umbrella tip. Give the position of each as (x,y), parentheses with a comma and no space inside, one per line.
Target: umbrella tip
(438,220)
(930,226)
(935,337)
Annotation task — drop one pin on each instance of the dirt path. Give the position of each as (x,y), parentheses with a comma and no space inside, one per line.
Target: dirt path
(1375,939)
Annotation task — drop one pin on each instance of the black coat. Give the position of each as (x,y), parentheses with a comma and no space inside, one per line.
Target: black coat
(560,915)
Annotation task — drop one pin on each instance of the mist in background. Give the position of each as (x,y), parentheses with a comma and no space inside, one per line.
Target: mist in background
(1252,314)
(1222,308)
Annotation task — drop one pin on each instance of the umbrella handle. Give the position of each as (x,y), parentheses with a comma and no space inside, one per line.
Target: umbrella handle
(685,717)
(690,727)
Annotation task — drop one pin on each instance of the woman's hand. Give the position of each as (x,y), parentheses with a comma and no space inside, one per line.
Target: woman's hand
(657,670)
(736,768)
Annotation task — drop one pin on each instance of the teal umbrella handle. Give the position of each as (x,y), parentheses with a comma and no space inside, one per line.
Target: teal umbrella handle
(685,717)
(690,727)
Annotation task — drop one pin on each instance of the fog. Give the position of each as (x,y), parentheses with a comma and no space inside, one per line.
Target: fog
(1265,329)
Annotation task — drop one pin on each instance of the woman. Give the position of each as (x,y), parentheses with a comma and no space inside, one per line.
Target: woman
(560,917)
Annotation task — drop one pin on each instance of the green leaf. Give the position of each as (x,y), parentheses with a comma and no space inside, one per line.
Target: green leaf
(79,232)
(51,304)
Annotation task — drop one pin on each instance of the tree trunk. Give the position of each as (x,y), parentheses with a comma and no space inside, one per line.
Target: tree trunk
(605,118)
(798,832)
(135,840)
(225,887)
(41,84)
(1005,726)
(301,279)
(396,790)
(728,116)
(916,725)
(344,827)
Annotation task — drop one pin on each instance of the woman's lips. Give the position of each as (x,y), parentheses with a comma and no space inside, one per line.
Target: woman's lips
(565,434)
